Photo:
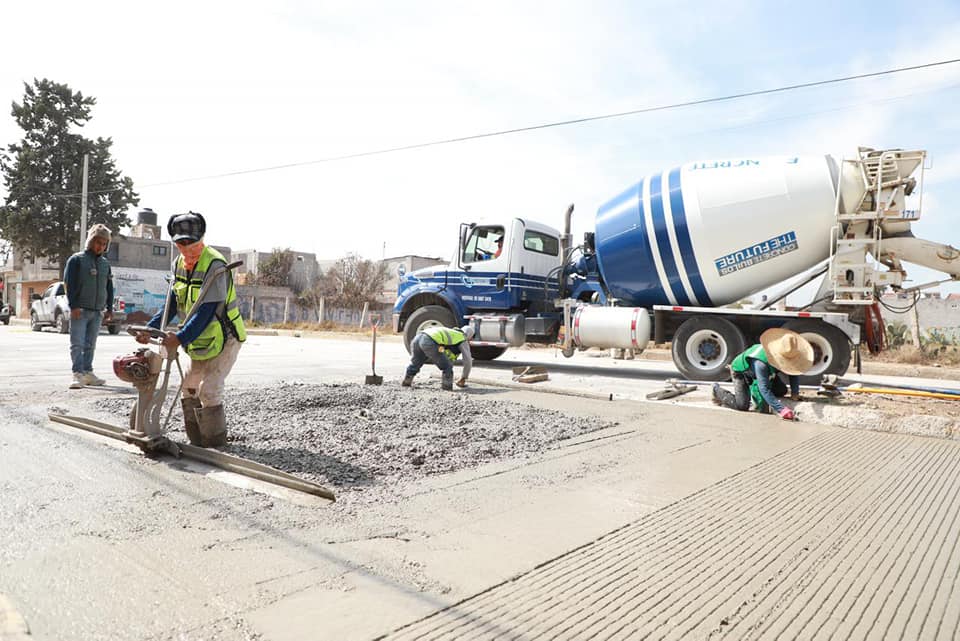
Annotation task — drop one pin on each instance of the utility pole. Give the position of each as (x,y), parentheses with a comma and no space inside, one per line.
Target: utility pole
(83,202)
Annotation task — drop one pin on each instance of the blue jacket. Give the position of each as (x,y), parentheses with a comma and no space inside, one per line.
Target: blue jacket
(89,282)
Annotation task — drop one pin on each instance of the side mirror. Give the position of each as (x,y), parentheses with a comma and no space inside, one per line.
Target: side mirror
(35,297)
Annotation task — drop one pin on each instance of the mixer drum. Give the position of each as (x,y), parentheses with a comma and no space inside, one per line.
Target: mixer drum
(712,233)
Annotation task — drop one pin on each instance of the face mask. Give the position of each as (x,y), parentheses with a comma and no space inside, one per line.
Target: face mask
(191,253)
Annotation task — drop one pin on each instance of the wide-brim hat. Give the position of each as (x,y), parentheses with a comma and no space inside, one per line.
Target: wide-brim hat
(787,350)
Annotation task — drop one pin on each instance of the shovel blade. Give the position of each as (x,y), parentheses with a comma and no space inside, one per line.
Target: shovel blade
(373,379)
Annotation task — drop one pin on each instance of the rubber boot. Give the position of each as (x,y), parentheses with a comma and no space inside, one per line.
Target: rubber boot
(447,382)
(407,381)
(190,422)
(213,426)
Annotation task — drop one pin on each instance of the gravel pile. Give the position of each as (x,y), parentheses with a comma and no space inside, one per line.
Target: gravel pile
(356,436)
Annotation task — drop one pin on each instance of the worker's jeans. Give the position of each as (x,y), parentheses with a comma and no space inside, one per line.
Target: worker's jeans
(83,340)
(205,379)
(425,349)
(740,399)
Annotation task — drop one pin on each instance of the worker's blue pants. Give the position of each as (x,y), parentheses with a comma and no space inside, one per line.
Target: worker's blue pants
(425,349)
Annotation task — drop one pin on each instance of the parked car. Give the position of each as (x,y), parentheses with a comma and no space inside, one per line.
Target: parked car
(51,309)
(6,311)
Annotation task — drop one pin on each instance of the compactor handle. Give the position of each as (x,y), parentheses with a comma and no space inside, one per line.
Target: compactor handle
(156,335)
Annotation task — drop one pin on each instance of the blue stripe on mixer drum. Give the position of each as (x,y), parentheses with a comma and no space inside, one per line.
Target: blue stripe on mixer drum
(663,241)
(625,255)
(683,239)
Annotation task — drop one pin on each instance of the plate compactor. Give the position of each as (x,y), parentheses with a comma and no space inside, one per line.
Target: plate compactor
(149,372)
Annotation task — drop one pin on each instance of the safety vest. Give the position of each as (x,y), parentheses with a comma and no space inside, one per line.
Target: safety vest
(741,364)
(449,340)
(186,288)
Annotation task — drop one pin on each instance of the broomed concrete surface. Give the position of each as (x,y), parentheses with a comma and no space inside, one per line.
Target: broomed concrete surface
(847,536)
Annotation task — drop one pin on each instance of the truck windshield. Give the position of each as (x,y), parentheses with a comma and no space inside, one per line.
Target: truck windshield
(484,243)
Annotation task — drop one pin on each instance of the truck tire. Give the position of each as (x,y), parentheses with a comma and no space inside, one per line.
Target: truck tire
(703,347)
(486,352)
(831,348)
(62,323)
(113,329)
(35,322)
(424,318)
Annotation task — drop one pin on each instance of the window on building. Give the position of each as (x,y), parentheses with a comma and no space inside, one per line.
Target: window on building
(159,250)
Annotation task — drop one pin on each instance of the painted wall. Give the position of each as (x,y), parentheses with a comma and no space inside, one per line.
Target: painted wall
(941,314)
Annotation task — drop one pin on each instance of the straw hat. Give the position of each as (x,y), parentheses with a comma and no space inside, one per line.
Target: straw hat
(787,350)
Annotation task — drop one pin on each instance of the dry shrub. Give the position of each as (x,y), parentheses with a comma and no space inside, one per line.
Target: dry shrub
(929,354)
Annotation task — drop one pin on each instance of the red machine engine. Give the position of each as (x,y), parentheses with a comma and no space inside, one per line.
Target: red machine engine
(138,367)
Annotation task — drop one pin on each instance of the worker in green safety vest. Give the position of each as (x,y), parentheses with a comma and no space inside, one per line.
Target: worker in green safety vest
(755,373)
(211,330)
(441,346)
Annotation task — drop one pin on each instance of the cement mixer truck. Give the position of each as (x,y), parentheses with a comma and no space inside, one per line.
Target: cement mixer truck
(670,258)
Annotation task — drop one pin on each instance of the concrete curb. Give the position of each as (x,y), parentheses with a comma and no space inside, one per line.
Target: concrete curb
(13,627)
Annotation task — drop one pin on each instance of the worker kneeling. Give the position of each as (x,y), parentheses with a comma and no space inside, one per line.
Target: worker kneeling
(755,373)
(441,346)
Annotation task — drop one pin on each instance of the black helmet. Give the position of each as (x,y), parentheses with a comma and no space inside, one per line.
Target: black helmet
(190,225)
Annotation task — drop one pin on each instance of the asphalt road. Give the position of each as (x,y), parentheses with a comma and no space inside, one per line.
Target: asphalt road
(100,542)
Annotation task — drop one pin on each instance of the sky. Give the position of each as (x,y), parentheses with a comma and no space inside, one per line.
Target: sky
(193,90)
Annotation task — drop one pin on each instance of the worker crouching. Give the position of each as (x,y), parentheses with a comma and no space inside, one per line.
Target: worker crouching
(755,373)
(441,346)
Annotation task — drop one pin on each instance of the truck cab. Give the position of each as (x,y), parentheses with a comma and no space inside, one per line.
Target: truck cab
(501,269)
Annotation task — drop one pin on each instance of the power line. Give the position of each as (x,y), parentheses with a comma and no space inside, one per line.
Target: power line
(560,123)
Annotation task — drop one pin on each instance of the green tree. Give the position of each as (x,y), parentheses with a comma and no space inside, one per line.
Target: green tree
(43,175)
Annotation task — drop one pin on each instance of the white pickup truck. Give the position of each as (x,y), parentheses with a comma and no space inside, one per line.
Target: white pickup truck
(51,309)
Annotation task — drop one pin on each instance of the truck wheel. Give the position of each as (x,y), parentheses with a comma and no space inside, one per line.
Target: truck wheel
(703,347)
(425,318)
(831,349)
(34,322)
(113,329)
(486,352)
(62,323)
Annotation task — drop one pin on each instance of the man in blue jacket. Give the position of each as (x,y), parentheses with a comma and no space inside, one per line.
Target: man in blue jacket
(89,283)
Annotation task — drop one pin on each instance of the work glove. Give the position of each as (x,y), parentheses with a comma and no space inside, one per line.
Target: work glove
(461,382)
(787,414)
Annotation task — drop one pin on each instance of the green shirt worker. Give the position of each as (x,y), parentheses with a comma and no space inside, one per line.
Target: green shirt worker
(755,373)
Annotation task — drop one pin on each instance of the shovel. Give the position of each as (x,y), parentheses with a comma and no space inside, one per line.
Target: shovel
(373,379)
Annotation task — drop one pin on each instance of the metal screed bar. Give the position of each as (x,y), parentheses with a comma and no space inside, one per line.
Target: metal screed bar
(215,458)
